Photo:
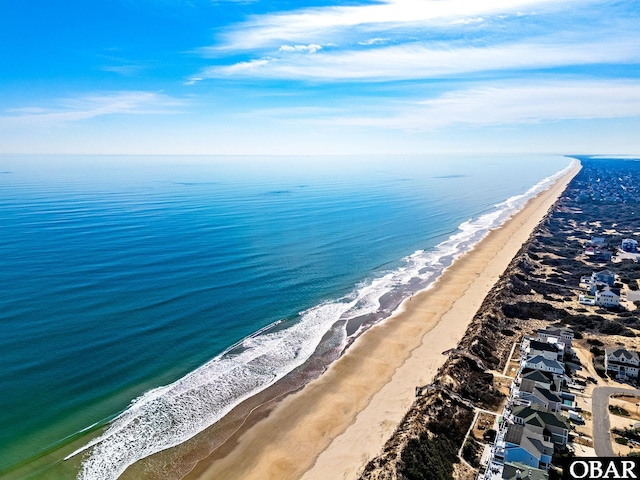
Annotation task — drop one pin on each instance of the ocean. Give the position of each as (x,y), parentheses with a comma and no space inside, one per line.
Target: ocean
(144,297)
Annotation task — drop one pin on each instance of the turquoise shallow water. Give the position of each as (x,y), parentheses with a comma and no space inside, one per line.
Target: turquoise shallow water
(123,274)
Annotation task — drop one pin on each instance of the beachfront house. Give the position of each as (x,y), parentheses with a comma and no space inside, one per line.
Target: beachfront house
(551,334)
(555,426)
(538,362)
(552,351)
(544,398)
(629,245)
(607,298)
(528,379)
(621,362)
(523,445)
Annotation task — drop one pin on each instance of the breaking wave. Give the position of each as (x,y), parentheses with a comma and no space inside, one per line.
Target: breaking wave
(167,416)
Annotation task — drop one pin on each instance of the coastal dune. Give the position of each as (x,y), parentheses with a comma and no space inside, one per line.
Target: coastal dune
(334,425)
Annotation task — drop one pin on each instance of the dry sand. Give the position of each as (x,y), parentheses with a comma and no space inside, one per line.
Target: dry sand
(333,426)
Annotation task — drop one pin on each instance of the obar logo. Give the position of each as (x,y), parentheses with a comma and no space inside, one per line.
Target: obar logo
(601,468)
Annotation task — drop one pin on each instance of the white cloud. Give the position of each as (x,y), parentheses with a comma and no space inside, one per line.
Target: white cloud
(417,61)
(511,104)
(242,67)
(73,109)
(322,24)
(468,21)
(193,80)
(312,48)
(374,41)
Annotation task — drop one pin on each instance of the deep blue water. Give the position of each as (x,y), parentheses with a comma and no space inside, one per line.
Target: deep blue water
(122,274)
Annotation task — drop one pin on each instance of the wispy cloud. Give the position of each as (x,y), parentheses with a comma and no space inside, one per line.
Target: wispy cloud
(468,21)
(124,70)
(74,109)
(312,48)
(323,24)
(128,70)
(374,41)
(512,104)
(419,39)
(419,61)
(193,80)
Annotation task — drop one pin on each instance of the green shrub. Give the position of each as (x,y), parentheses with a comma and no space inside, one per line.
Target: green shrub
(616,410)
(470,453)
(629,433)
(429,458)
(489,436)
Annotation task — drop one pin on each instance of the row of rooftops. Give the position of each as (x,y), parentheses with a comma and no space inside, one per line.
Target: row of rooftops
(524,433)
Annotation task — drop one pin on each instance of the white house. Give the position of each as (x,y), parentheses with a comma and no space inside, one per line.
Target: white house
(552,350)
(622,362)
(550,334)
(629,245)
(543,364)
(606,298)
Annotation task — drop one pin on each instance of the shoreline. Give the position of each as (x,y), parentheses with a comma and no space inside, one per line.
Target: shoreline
(340,420)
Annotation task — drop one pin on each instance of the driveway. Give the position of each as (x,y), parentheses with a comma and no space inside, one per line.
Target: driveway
(600,410)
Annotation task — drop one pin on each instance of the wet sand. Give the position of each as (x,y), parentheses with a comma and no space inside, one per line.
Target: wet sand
(334,425)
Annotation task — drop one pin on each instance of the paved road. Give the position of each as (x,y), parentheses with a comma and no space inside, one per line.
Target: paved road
(600,403)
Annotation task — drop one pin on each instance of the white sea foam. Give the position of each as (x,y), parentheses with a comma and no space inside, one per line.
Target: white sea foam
(169,415)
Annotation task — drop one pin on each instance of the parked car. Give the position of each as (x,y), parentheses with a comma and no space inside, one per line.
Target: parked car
(575,416)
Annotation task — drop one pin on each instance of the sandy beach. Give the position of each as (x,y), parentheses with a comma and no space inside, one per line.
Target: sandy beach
(334,425)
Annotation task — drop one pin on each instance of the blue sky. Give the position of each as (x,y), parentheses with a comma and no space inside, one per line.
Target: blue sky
(319,77)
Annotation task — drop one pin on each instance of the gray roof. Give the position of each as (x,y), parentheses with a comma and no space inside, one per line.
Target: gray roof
(516,470)
(532,442)
(606,272)
(610,290)
(527,413)
(556,331)
(546,393)
(622,352)
(536,376)
(537,359)
(537,442)
(514,434)
(543,346)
